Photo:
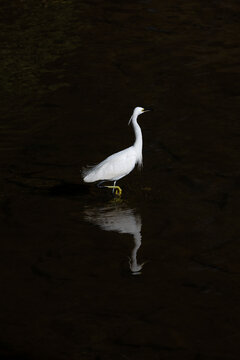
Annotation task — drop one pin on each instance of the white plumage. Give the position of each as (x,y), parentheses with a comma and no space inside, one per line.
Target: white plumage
(113,167)
(121,163)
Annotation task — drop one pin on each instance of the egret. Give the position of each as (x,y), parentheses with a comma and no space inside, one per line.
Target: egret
(121,163)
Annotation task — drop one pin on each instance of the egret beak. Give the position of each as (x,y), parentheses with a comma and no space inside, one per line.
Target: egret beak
(145,110)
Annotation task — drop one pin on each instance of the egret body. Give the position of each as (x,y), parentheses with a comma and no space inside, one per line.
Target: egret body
(120,164)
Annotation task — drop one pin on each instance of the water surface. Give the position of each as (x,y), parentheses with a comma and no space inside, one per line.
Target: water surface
(155,275)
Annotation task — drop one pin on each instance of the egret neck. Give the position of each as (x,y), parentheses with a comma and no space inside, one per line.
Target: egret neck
(138,139)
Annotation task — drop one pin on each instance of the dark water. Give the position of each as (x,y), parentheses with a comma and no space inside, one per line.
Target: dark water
(156,275)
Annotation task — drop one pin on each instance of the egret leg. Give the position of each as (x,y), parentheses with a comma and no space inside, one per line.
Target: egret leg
(113,187)
(114,184)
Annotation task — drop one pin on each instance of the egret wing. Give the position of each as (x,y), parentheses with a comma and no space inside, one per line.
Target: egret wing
(113,167)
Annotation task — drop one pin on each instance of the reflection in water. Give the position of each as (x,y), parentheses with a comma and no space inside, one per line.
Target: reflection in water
(116,217)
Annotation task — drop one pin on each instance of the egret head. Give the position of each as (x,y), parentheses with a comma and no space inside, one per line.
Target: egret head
(139,110)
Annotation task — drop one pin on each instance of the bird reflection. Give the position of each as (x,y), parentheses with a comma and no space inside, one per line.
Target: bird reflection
(119,218)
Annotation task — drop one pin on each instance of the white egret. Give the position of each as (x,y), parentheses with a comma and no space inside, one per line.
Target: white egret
(120,164)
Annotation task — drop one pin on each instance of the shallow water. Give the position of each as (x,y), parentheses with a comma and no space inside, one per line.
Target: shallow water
(154,275)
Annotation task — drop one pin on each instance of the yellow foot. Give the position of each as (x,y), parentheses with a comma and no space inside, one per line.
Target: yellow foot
(118,191)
